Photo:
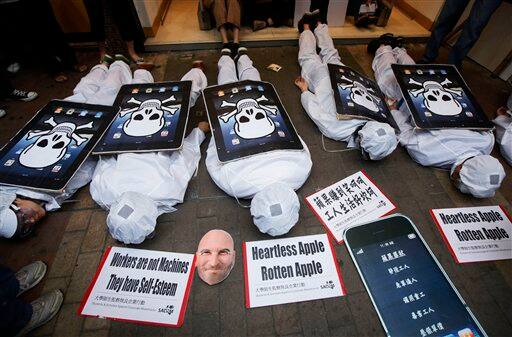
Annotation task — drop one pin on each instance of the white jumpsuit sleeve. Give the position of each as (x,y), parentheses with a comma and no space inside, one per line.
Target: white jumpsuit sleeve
(504,136)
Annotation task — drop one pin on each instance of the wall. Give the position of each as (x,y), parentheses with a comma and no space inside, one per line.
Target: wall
(147,11)
(429,8)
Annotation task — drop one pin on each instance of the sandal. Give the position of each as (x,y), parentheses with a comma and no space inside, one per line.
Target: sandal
(60,78)
(80,68)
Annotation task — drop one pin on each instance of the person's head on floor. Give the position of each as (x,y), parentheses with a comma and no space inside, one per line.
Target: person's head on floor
(479,176)
(215,256)
(18,216)
(132,218)
(377,140)
(275,209)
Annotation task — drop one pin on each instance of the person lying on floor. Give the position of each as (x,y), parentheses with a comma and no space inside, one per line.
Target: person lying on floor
(22,208)
(273,175)
(375,140)
(464,152)
(137,187)
(503,122)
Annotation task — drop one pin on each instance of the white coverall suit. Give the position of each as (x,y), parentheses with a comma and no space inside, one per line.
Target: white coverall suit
(438,148)
(504,133)
(318,101)
(245,177)
(161,176)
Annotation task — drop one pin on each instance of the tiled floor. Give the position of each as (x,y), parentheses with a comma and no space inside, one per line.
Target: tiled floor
(181,30)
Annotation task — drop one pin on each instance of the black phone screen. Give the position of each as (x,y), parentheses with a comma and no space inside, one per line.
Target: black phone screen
(412,295)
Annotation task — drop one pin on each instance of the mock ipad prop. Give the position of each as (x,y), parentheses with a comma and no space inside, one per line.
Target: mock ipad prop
(438,97)
(50,148)
(357,96)
(248,118)
(152,117)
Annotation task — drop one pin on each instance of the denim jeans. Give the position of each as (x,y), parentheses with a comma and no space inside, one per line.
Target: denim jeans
(14,313)
(451,12)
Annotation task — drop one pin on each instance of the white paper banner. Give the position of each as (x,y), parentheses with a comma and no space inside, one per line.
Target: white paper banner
(290,270)
(475,234)
(143,286)
(353,200)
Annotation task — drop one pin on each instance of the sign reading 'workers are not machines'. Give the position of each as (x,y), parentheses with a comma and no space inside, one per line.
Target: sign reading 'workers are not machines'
(475,234)
(143,286)
(290,270)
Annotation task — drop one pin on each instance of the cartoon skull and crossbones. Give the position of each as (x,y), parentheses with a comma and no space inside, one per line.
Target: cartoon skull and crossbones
(361,95)
(51,145)
(147,118)
(437,98)
(251,118)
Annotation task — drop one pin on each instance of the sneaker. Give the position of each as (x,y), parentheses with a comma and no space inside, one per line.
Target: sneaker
(234,49)
(225,52)
(384,39)
(3,112)
(121,57)
(107,60)
(310,18)
(22,95)
(13,68)
(30,275)
(240,51)
(44,309)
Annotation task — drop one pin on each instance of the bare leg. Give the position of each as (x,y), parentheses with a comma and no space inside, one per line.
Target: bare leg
(223,34)
(131,50)
(236,33)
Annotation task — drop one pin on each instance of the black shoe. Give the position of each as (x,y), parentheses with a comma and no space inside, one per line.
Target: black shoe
(22,95)
(225,51)
(310,18)
(385,39)
(399,42)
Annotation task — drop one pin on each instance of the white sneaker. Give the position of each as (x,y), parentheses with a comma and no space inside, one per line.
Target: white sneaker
(30,275)
(44,309)
(13,68)
(22,95)
(3,112)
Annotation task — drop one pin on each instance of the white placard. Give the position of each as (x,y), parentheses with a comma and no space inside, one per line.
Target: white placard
(290,270)
(475,234)
(143,286)
(353,200)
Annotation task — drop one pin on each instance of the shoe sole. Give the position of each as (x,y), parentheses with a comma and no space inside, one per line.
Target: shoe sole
(54,313)
(37,281)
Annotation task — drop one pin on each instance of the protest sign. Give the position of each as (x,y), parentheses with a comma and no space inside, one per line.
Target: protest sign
(143,286)
(355,199)
(152,117)
(290,270)
(475,234)
(51,147)
(247,118)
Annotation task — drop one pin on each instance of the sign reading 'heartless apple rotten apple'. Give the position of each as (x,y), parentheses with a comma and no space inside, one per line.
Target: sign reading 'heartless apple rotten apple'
(143,286)
(355,199)
(290,270)
(475,234)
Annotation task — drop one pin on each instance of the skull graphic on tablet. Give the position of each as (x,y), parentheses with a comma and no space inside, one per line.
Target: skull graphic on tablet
(437,98)
(251,117)
(51,145)
(148,117)
(361,95)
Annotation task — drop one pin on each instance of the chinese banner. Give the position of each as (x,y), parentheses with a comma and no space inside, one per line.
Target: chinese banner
(355,199)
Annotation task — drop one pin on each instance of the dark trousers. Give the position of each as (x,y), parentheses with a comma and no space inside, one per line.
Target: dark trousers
(451,12)
(14,313)
(278,10)
(121,14)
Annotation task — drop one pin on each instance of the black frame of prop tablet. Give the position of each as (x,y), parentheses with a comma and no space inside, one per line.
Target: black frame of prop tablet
(222,154)
(479,122)
(333,69)
(142,147)
(47,184)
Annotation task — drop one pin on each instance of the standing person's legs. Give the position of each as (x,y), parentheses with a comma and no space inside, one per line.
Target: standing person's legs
(447,19)
(480,14)
(328,52)
(227,70)
(246,69)
(308,58)
(96,16)
(381,65)
(14,313)
(233,12)
(199,82)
